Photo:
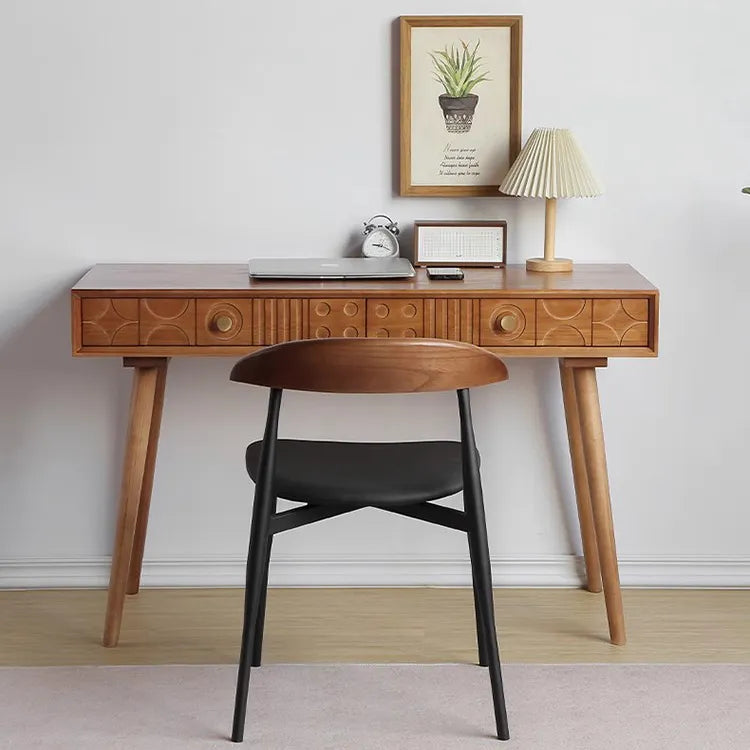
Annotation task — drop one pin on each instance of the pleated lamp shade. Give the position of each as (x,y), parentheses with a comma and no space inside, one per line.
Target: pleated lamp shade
(551,165)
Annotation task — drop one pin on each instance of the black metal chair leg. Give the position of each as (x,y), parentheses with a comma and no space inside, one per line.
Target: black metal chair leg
(474,505)
(253,593)
(261,621)
(481,640)
(262,509)
(487,610)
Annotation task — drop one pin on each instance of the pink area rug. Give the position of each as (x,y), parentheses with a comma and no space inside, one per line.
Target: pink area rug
(377,707)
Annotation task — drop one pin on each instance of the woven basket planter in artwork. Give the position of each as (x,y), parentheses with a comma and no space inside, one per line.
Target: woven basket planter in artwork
(458,112)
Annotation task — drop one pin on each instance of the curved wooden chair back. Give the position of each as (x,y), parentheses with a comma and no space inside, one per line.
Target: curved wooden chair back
(341,365)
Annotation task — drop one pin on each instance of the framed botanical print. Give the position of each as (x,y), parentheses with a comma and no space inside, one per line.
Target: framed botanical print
(460,124)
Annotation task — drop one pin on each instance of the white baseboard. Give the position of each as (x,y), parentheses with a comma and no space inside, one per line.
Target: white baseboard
(550,571)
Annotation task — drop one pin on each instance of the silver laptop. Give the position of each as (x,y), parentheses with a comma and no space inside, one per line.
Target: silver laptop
(331,268)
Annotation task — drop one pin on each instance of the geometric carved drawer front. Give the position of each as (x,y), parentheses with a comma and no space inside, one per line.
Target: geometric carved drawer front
(395,318)
(223,322)
(507,322)
(109,322)
(451,319)
(620,322)
(275,321)
(337,318)
(167,322)
(563,322)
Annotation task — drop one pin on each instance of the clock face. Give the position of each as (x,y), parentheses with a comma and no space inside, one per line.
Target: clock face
(380,243)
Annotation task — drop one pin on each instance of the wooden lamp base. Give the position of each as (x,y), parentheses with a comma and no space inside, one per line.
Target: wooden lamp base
(549,266)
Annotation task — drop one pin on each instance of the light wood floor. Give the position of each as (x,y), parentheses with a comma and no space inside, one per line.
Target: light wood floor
(202,626)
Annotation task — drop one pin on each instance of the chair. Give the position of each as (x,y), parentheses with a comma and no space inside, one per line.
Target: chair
(332,478)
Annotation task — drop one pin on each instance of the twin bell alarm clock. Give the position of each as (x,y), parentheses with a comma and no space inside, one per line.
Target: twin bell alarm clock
(380,240)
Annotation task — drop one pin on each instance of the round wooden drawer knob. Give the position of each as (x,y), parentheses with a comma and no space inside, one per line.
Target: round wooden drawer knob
(508,323)
(222,323)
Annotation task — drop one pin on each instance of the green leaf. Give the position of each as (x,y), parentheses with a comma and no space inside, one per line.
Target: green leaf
(458,68)
(465,55)
(473,82)
(443,54)
(444,62)
(746,190)
(440,81)
(442,73)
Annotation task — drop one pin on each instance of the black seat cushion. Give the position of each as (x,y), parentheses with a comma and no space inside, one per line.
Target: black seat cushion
(379,474)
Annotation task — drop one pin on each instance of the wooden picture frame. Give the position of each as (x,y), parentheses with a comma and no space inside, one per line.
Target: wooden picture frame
(440,156)
(435,243)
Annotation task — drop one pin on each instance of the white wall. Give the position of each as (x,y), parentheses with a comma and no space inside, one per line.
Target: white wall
(189,130)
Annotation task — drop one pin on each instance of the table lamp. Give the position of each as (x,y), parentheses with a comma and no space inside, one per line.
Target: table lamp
(551,165)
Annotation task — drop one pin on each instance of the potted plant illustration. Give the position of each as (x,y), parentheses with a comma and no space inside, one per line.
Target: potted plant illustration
(458,71)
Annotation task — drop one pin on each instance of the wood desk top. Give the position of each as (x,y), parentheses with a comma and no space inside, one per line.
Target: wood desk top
(198,310)
(132,278)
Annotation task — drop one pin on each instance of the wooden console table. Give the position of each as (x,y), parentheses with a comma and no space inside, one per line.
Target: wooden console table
(147,313)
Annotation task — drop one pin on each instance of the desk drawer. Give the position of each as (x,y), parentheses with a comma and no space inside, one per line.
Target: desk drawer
(507,322)
(452,319)
(563,322)
(224,322)
(167,322)
(109,322)
(395,318)
(275,321)
(336,318)
(621,322)
(250,322)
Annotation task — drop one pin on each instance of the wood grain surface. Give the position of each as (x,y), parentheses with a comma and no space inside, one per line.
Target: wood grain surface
(422,625)
(370,366)
(217,279)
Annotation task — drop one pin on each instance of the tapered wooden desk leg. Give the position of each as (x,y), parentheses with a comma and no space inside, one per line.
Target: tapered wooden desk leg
(580,481)
(136,559)
(136,451)
(592,435)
